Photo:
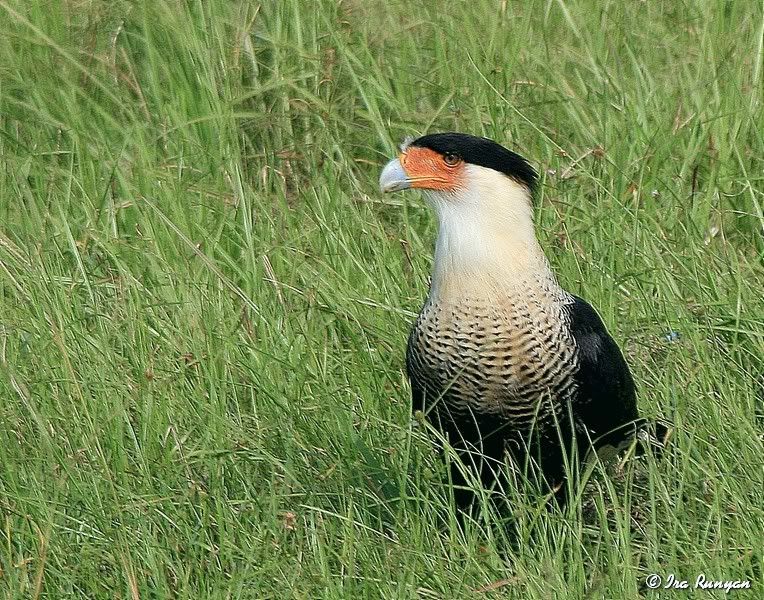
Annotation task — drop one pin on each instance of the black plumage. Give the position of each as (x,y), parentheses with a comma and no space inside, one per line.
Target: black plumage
(606,396)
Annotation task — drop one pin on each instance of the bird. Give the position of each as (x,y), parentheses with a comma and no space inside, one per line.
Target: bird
(501,359)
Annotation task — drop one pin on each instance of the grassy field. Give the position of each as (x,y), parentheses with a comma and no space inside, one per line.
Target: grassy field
(204,298)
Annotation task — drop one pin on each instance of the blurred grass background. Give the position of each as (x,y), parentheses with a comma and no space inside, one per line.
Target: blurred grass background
(204,299)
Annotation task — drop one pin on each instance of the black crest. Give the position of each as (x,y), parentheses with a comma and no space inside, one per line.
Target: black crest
(482,152)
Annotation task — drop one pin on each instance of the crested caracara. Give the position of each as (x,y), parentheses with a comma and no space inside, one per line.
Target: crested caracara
(501,359)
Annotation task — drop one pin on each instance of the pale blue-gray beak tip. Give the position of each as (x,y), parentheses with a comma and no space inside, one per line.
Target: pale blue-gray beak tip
(393,177)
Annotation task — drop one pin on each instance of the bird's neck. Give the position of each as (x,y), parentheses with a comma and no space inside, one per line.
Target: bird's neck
(476,254)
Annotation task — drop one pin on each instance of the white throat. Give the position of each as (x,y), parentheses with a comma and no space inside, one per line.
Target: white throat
(486,238)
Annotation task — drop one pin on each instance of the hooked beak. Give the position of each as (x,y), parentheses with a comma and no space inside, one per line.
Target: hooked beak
(393,177)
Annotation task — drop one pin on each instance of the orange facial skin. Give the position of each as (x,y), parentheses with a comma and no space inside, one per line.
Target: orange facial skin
(432,171)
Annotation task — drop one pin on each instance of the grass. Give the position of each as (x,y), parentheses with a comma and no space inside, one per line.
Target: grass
(204,299)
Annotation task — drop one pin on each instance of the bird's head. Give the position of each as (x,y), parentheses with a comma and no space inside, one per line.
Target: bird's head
(481,193)
(451,164)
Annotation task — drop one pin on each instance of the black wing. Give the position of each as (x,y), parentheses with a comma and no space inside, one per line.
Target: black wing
(606,402)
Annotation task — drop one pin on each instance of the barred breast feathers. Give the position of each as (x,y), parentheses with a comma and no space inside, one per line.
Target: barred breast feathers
(495,347)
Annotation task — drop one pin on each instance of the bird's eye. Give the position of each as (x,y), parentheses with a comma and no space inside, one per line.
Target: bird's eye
(451,159)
